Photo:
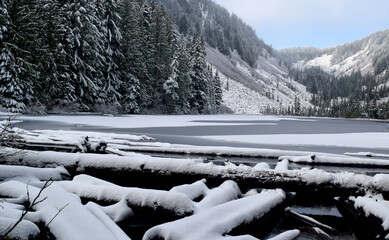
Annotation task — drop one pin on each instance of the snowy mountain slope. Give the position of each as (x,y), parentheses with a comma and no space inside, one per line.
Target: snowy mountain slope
(370,55)
(265,89)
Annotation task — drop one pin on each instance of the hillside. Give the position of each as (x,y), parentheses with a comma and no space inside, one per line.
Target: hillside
(257,78)
(370,55)
(349,80)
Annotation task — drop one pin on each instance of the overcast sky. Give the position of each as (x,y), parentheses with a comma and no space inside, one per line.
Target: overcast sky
(318,23)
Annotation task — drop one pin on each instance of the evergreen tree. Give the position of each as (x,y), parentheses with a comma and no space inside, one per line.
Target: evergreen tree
(218,91)
(109,20)
(199,98)
(85,52)
(54,79)
(183,76)
(133,63)
(17,71)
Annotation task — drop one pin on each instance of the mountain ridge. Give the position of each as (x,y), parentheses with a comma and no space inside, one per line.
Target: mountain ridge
(370,55)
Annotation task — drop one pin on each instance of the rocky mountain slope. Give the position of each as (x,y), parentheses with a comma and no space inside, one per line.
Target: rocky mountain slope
(370,55)
(254,76)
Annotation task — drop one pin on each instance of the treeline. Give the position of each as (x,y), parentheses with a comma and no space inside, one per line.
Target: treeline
(222,30)
(349,96)
(120,55)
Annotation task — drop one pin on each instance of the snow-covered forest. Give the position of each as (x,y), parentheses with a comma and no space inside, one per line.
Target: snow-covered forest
(120,56)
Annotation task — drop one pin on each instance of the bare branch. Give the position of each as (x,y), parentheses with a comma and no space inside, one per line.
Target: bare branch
(29,207)
(59,211)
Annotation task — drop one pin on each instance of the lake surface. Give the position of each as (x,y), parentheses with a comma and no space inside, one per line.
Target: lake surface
(199,127)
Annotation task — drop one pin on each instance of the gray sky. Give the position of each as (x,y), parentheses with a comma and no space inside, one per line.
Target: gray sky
(318,23)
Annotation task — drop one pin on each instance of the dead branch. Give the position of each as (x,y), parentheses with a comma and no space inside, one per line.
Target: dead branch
(29,207)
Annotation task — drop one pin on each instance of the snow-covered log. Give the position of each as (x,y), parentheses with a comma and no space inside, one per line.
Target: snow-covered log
(163,173)
(288,235)
(43,174)
(369,216)
(333,160)
(141,201)
(194,190)
(75,221)
(220,220)
(24,230)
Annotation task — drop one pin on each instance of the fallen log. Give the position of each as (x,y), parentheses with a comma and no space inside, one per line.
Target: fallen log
(163,173)
(369,217)
(310,221)
(222,219)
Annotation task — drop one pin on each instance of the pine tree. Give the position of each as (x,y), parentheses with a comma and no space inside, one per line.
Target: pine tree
(148,52)
(54,79)
(111,38)
(85,52)
(133,63)
(198,76)
(183,77)
(218,91)
(17,71)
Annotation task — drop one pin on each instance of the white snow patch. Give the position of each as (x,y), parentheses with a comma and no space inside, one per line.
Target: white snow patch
(376,140)
(375,206)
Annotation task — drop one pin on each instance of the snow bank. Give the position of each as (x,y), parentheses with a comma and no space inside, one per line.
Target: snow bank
(217,221)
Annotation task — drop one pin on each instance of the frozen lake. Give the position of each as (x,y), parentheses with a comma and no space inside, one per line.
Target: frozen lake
(285,133)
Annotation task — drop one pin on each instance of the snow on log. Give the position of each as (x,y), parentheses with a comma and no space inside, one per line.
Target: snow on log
(375,206)
(55,136)
(106,220)
(220,220)
(158,147)
(261,166)
(337,161)
(156,202)
(24,230)
(282,165)
(367,154)
(368,216)
(194,190)
(226,192)
(43,174)
(167,172)
(74,222)
(288,235)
